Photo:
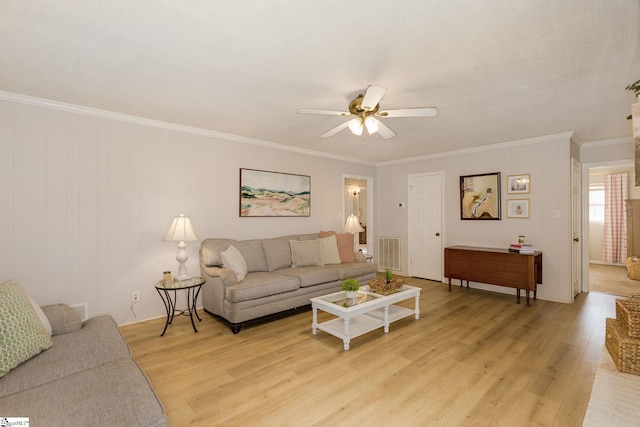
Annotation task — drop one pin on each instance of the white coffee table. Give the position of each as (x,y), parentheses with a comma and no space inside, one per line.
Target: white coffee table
(367,312)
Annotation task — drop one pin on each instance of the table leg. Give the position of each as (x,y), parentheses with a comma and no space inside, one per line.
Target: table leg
(347,339)
(191,306)
(314,322)
(195,300)
(169,306)
(449,284)
(518,296)
(417,309)
(386,319)
(527,291)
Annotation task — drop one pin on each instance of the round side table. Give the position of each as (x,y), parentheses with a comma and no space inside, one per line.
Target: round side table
(192,287)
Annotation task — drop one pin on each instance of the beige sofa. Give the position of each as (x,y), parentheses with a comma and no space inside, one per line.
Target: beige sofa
(282,273)
(87,377)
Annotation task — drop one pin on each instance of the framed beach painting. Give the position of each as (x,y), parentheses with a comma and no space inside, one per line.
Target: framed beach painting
(518,184)
(518,208)
(480,196)
(265,194)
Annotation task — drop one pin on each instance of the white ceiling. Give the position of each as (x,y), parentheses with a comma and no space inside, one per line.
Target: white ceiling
(498,70)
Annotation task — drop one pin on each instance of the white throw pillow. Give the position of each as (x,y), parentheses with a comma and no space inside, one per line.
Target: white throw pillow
(305,252)
(43,317)
(329,253)
(233,260)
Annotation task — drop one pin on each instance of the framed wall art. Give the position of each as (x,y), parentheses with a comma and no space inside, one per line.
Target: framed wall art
(265,194)
(518,208)
(518,184)
(480,196)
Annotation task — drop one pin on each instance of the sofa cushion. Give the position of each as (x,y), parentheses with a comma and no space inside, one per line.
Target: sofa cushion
(345,244)
(355,269)
(99,341)
(277,251)
(210,250)
(329,250)
(253,254)
(63,318)
(305,252)
(233,260)
(113,394)
(312,275)
(260,284)
(22,335)
(41,316)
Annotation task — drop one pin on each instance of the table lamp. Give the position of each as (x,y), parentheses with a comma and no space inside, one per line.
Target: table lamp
(353,226)
(181,231)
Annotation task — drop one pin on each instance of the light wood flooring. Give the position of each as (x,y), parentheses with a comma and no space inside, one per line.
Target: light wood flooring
(474,358)
(611,279)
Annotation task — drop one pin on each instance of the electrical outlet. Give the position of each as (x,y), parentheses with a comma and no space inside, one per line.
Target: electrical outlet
(135,296)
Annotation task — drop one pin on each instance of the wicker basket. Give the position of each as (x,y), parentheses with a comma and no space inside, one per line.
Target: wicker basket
(382,287)
(633,268)
(624,351)
(628,314)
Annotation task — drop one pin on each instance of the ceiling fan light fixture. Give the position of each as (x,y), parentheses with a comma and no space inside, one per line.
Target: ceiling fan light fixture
(356,126)
(372,124)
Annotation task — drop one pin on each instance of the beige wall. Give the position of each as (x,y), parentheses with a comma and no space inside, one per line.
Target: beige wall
(86,200)
(546,159)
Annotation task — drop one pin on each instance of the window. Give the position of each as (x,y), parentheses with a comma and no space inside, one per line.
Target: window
(596,203)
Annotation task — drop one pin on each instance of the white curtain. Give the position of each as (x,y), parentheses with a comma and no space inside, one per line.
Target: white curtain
(614,248)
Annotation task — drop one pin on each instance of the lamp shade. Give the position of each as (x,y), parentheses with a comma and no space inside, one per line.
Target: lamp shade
(181,230)
(353,225)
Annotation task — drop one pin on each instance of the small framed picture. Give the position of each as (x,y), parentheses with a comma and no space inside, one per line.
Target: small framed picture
(518,184)
(518,208)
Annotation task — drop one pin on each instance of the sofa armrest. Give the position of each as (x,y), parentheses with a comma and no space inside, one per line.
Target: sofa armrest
(227,276)
(63,318)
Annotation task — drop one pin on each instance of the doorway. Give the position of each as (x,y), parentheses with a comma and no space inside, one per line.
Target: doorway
(358,200)
(425,225)
(603,276)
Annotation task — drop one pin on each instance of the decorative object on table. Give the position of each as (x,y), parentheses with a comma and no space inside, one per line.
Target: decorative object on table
(518,184)
(385,287)
(351,286)
(522,249)
(521,240)
(181,230)
(518,208)
(353,226)
(264,193)
(480,196)
(388,275)
(167,278)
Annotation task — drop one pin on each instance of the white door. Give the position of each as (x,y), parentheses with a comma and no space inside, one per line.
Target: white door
(576,226)
(425,226)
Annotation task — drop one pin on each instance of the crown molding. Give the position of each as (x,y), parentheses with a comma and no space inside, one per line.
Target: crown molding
(603,142)
(127,118)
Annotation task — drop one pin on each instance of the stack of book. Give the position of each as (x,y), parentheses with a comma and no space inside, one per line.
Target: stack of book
(522,249)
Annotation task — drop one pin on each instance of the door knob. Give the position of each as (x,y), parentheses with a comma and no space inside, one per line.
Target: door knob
(437,234)
(575,239)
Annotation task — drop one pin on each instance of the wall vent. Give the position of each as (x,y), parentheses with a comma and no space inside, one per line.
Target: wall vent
(82,310)
(389,252)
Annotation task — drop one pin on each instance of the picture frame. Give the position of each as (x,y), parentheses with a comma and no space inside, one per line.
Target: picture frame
(518,208)
(519,184)
(274,194)
(480,197)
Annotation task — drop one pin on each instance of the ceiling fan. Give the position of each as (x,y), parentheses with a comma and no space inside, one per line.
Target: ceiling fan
(365,109)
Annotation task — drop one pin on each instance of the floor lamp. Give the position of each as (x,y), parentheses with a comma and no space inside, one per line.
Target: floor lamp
(353,226)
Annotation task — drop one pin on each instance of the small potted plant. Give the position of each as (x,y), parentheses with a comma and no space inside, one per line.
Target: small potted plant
(351,286)
(388,276)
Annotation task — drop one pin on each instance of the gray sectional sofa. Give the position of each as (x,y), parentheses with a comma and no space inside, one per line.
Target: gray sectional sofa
(277,277)
(86,378)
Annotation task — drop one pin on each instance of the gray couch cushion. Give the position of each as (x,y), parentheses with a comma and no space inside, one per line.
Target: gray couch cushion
(63,319)
(277,251)
(261,284)
(253,254)
(99,341)
(310,276)
(355,269)
(210,250)
(114,394)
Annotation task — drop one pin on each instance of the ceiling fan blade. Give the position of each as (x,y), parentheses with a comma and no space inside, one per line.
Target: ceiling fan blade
(335,130)
(384,131)
(372,97)
(326,112)
(410,112)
